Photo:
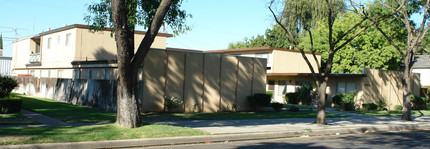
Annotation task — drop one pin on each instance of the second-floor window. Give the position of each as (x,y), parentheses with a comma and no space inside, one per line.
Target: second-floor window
(49,42)
(68,38)
(58,40)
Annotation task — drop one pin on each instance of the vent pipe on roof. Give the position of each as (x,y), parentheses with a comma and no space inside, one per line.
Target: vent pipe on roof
(64,25)
(48,29)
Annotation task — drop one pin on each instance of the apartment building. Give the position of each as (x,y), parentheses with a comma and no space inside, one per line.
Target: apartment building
(58,53)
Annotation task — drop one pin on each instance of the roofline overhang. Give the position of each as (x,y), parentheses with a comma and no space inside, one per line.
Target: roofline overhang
(83,27)
(225,51)
(310,75)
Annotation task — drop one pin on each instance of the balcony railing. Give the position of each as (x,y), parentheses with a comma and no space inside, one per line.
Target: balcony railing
(34,58)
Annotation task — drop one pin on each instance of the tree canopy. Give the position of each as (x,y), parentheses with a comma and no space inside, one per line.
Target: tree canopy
(369,50)
(141,13)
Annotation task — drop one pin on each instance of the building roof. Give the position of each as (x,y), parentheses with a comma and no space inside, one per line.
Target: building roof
(310,75)
(422,61)
(255,49)
(186,50)
(84,27)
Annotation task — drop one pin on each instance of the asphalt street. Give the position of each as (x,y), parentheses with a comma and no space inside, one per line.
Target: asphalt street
(380,140)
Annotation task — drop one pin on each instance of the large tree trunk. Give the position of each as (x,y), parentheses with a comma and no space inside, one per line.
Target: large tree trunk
(321,88)
(407,87)
(127,110)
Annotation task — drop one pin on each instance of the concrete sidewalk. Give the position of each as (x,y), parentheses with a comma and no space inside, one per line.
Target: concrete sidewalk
(238,130)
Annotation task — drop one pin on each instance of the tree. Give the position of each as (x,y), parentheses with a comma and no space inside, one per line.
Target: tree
(369,50)
(274,37)
(415,38)
(124,16)
(301,16)
(1,41)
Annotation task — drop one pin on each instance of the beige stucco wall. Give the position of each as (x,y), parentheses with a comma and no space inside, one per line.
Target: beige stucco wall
(21,53)
(384,84)
(292,62)
(101,46)
(83,45)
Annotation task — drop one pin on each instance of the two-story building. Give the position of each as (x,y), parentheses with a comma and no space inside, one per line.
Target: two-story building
(57,53)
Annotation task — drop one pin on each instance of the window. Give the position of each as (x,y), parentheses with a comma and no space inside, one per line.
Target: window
(49,42)
(271,85)
(59,73)
(58,40)
(282,87)
(107,74)
(68,38)
(345,87)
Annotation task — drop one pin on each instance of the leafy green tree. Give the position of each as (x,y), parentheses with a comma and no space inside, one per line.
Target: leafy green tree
(369,50)
(302,16)
(415,36)
(1,41)
(274,37)
(124,16)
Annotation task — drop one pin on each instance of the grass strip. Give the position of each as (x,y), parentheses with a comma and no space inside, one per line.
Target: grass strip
(232,116)
(31,135)
(65,112)
(391,113)
(299,106)
(15,119)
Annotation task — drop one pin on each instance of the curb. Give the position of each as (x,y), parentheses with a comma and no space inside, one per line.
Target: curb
(219,138)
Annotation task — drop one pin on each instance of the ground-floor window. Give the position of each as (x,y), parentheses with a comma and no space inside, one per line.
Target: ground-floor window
(282,87)
(345,87)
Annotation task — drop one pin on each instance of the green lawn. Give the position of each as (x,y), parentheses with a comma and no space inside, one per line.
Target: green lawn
(232,116)
(30,135)
(15,119)
(391,113)
(65,112)
(299,106)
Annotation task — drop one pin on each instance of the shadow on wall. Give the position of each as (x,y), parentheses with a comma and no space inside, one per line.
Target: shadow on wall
(102,54)
(384,85)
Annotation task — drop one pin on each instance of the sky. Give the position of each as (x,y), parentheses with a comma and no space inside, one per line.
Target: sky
(214,23)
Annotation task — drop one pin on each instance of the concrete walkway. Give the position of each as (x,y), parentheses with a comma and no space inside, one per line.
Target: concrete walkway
(239,130)
(219,127)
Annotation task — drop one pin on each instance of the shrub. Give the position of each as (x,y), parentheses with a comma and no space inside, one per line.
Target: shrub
(259,100)
(293,109)
(277,106)
(269,93)
(337,99)
(172,103)
(304,94)
(381,104)
(7,84)
(292,98)
(10,105)
(419,103)
(398,107)
(348,98)
(369,106)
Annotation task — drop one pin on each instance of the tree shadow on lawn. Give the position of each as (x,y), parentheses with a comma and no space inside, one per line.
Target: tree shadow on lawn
(66,112)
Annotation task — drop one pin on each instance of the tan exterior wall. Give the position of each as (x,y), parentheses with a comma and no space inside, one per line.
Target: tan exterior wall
(384,84)
(101,46)
(21,53)
(211,88)
(292,62)
(82,45)
(154,81)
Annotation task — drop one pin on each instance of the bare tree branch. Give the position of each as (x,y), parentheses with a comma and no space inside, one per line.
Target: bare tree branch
(152,32)
(289,35)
